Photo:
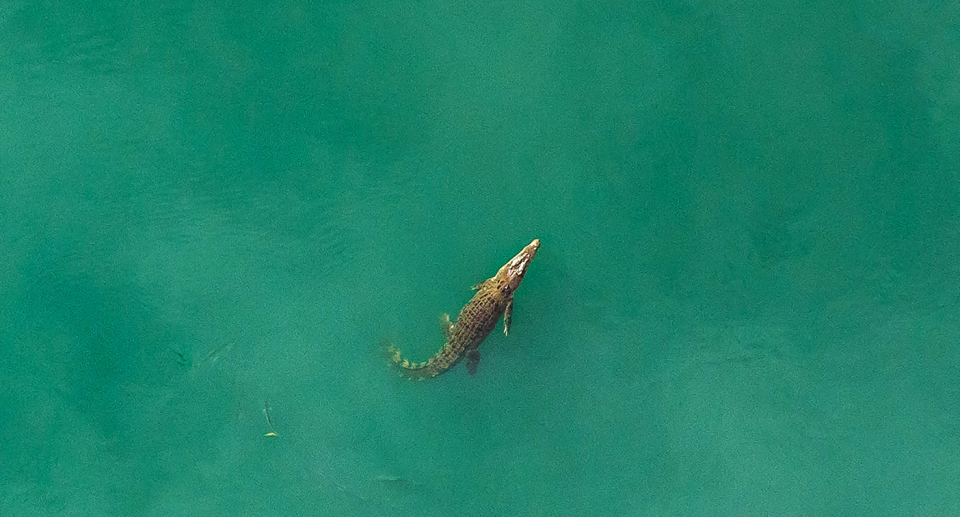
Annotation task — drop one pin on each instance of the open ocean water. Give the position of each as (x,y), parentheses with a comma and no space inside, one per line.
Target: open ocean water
(746,301)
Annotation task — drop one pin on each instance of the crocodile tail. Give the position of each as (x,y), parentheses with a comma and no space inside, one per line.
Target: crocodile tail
(445,359)
(415,371)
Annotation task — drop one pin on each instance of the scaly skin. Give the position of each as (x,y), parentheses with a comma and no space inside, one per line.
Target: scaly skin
(478,317)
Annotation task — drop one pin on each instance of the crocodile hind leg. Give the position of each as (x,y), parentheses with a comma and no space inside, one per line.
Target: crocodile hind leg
(473,360)
(446,326)
(507,316)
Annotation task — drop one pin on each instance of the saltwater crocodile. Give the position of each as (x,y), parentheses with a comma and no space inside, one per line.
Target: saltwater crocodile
(494,298)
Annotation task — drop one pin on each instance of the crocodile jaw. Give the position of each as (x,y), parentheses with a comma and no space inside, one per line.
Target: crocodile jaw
(512,272)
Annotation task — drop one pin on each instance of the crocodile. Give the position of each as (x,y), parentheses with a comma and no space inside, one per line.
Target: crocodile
(493,299)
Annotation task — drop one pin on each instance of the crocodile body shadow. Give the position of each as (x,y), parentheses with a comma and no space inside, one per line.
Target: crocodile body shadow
(494,298)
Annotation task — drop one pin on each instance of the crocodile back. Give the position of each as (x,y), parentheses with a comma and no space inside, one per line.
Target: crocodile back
(478,317)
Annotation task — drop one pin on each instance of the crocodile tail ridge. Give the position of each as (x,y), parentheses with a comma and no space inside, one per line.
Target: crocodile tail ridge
(411,370)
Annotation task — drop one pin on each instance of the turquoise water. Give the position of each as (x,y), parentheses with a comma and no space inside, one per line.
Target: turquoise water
(745,303)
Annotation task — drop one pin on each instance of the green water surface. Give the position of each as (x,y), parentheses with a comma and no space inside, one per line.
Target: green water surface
(746,301)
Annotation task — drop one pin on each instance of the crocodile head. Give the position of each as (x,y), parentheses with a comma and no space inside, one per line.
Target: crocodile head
(512,272)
